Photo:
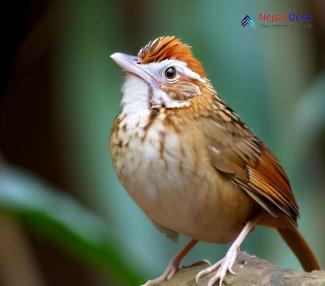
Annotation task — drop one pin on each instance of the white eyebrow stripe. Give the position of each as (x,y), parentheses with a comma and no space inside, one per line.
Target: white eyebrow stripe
(181,66)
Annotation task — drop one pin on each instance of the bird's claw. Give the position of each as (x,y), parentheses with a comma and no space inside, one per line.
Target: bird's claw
(224,266)
(167,275)
(170,272)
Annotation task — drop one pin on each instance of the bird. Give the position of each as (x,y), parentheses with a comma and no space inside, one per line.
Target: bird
(192,165)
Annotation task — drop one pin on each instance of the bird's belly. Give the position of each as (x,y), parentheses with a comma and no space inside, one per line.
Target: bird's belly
(179,190)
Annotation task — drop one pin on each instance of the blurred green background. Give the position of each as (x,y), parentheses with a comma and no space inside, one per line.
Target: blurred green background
(64,217)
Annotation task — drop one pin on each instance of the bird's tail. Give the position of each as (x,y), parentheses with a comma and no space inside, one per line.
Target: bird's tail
(300,248)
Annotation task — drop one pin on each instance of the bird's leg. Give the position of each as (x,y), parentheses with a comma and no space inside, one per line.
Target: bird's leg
(173,265)
(225,264)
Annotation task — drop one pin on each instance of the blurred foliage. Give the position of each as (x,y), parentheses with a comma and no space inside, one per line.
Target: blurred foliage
(64,221)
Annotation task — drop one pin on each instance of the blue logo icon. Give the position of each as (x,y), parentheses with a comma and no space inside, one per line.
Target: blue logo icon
(248,21)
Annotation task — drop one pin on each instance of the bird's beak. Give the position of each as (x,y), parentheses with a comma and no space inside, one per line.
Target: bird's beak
(131,65)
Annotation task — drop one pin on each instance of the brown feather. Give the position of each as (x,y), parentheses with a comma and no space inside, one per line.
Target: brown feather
(169,47)
(238,154)
(300,247)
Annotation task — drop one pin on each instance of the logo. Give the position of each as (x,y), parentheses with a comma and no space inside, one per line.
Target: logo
(278,20)
(247,20)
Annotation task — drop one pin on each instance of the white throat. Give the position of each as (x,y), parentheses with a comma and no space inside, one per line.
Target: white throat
(135,96)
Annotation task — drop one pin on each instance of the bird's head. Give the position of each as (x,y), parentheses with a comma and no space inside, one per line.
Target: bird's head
(163,74)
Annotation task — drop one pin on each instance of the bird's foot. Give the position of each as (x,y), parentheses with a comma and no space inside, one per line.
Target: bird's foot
(224,266)
(169,272)
(173,265)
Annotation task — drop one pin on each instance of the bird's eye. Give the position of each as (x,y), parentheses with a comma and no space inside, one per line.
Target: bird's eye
(170,73)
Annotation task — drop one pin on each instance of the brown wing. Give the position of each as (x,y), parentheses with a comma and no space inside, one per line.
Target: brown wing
(238,154)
